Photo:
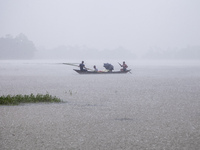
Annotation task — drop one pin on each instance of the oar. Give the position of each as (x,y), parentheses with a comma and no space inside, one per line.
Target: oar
(90,69)
(73,64)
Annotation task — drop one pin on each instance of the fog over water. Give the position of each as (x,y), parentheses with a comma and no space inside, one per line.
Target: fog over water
(104,24)
(155,107)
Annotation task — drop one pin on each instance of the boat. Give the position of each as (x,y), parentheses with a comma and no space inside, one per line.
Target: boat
(102,72)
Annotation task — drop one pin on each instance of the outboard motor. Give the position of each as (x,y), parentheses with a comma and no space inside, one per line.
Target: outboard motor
(108,66)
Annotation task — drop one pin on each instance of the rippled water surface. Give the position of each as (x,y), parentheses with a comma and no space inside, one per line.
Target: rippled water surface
(155,107)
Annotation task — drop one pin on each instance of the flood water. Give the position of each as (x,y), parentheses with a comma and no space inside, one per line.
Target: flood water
(155,107)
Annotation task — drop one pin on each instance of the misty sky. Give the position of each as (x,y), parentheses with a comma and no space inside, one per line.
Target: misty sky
(104,24)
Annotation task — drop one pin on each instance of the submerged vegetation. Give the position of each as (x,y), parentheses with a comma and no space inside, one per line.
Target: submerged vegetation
(17,99)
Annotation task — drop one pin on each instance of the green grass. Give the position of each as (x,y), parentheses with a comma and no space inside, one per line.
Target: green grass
(17,99)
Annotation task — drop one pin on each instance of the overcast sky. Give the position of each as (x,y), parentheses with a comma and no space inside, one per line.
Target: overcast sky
(104,24)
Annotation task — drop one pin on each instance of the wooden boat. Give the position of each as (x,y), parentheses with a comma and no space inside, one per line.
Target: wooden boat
(102,72)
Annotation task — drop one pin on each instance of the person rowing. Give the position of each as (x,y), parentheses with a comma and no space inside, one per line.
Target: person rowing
(82,66)
(124,66)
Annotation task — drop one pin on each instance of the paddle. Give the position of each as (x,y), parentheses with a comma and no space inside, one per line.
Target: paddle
(74,64)
(119,64)
(71,64)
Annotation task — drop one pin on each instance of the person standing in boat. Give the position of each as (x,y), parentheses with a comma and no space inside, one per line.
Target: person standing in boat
(124,66)
(82,66)
(95,69)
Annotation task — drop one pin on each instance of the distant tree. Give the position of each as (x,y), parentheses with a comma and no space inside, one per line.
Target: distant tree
(19,47)
(8,36)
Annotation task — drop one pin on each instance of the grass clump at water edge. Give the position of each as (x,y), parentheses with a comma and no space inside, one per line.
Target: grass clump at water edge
(17,99)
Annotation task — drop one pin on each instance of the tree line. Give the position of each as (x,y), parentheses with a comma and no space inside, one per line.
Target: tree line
(19,47)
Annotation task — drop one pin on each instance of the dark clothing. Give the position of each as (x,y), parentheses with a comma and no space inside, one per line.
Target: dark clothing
(82,66)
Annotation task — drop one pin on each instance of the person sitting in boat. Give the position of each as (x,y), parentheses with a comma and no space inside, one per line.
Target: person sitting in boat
(95,69)
(124,66)
(82,66)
